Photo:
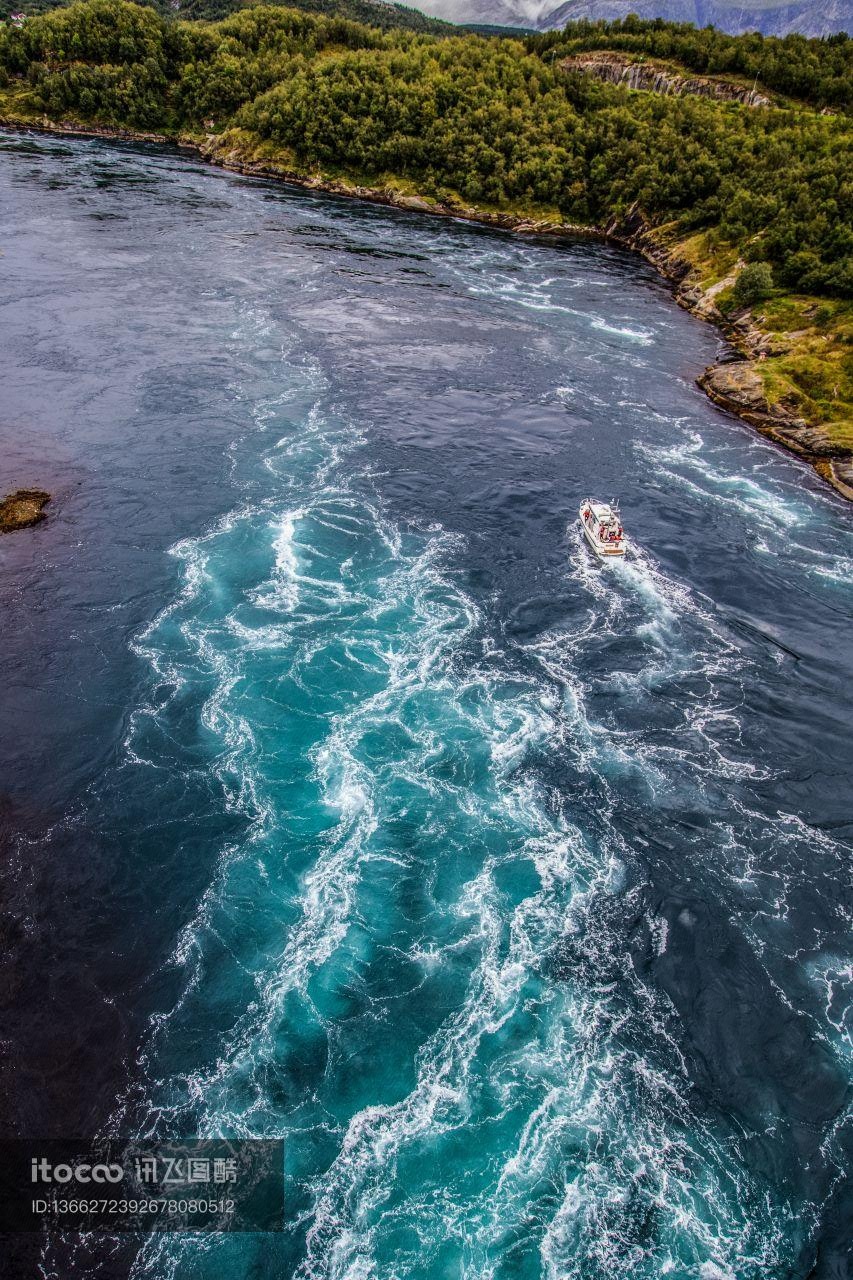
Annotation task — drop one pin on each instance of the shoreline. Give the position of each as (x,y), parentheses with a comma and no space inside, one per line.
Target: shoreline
(733,385)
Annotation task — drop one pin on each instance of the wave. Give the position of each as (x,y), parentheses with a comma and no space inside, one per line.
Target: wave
(437,893)
(770,510)
(385,758)
(635,334)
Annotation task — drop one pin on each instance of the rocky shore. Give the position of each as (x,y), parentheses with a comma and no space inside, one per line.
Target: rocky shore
(735,385)
(23,508)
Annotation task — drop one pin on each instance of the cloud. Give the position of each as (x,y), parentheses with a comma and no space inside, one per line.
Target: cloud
(502,12)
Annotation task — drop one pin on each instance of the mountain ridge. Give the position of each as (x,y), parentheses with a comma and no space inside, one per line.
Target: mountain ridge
(824,18)
(814,18)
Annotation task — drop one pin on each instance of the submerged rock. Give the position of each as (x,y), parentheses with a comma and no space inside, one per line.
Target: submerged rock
(22,508)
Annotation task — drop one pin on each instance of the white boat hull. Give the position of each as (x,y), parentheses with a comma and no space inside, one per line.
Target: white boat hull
(605,550)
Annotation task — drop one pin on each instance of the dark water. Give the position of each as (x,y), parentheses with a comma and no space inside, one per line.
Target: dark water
(345,799)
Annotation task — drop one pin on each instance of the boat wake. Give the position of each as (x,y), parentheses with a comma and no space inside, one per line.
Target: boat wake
(493,885)
(407,862)
(422,949)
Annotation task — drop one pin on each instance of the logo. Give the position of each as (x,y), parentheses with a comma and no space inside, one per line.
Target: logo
(41,1170)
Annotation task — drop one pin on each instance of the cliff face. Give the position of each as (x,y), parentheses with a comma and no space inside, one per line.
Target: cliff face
(646,75)
(808,17)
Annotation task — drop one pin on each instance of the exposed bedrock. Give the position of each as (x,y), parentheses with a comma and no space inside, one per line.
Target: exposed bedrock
(656,79)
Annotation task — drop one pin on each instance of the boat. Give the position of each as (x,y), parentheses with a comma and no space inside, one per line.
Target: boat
(602,528)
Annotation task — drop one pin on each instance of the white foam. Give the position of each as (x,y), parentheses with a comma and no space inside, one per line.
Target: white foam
(589,1116)
(777,519)
(286,560)
(643,336)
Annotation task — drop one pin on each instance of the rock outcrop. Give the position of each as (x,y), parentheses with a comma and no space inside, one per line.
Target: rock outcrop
(633,231)
(653,78)
(22,508)
(738,387)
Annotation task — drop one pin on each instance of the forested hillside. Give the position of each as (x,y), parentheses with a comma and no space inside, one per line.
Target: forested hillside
(375,13)
(819,72)
(494,125)
(486,121)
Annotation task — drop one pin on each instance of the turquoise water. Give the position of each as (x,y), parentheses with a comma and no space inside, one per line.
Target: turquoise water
(512,891)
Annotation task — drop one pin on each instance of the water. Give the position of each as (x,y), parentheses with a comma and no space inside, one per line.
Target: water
(348,800)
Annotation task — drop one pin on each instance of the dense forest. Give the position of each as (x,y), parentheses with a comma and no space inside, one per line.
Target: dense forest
(816,71)
(375,13)
(483,121)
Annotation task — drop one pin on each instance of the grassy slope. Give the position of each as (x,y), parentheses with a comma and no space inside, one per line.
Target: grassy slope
(809,365)
(810,361)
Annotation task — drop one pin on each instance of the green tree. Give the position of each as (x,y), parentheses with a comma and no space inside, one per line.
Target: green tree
(754,283)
